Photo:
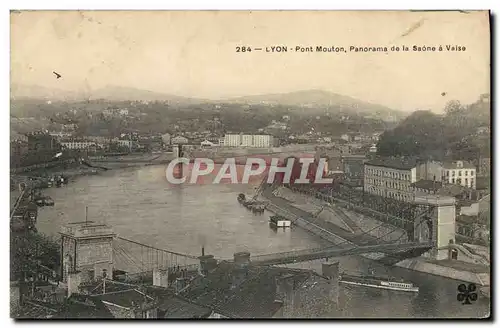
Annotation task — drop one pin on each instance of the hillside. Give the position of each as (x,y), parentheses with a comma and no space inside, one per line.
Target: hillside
(308,102)
(117,93)
(22,91)
(110,93)
(316,99)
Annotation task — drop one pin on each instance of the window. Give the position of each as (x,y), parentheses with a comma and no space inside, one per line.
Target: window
(471,181)
(459,173)
(466,173)
(471,173)
(452,180)
(452,173)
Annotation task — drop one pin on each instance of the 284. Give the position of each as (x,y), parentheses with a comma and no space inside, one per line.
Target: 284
(243,49)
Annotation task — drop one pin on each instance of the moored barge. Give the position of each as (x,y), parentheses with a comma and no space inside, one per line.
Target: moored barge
(280,221)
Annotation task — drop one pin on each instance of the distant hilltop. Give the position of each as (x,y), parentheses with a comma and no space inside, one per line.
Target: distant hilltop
(305,99)
(315,98)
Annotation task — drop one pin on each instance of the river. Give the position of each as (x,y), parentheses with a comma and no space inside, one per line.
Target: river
(140,205)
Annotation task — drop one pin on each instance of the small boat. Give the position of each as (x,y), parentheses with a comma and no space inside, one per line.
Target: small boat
(48,201)
(280,221)
(241,198)
(259,208)
(248,203)
(44,201)
(372,281)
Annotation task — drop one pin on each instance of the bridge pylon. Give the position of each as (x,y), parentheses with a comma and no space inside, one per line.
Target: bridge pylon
(438,225)
(87,248)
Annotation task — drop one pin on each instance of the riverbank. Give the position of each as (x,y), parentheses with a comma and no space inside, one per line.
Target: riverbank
(452,269)
(70,172)
(76,170)
(476,273)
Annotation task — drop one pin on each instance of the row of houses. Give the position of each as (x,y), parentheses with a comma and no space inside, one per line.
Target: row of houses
(76,144)
(229,140)
(361,137)
(407,179)
(402,179)
(236,289)
(250,140)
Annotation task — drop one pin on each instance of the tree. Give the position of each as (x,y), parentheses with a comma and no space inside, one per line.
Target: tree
(430,136)
(420,134)
(29,250)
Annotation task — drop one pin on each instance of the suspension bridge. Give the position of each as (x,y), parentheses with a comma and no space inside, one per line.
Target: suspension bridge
(138,260)
(147,258)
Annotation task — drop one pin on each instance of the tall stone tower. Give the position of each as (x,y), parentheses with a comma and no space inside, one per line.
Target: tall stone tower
(443,224)
(87,247)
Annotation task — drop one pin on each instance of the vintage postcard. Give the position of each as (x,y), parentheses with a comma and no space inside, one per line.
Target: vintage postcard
(250,164)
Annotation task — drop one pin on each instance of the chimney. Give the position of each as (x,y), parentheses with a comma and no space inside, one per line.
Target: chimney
(242,259)
(284,293)
(240,271)
(74,280)
(160,278)
(206,263)
(330,270)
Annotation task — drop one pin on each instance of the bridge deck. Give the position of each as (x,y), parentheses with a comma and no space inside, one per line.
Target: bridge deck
(313,254)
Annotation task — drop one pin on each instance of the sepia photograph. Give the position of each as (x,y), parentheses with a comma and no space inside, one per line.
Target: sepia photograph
(250,164)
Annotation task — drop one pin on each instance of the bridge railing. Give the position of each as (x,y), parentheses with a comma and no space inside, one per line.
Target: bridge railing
(335,251)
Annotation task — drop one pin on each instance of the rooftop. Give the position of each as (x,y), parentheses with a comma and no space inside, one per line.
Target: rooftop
(83,307)
(242,294)
(86,229)
(427,184)
(128,295)
(175,306)
(35,310)
(453,165)
(125,298)
(394,163)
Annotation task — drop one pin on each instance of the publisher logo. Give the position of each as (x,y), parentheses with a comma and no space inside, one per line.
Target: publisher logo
(304,170)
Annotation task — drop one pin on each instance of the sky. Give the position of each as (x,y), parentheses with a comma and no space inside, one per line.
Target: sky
(194,53)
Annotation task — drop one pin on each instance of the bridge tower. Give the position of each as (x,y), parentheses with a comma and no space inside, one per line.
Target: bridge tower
(178,153)
(87,247)
(438,226)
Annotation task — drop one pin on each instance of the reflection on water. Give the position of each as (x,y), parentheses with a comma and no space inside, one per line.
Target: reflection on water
(142,206)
